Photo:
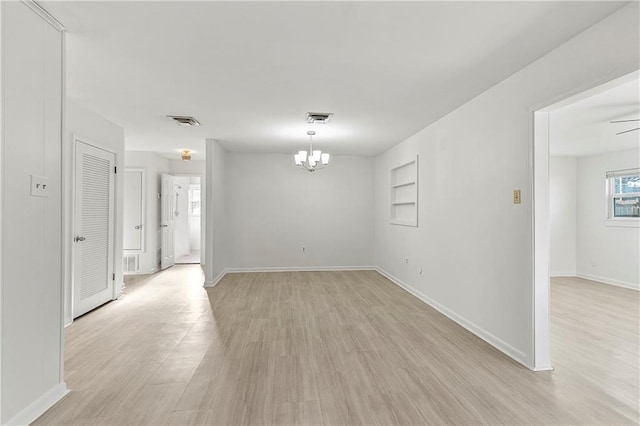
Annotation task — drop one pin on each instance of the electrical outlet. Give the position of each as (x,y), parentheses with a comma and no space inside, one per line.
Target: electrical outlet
(39,186)
(406,260)
(516,196)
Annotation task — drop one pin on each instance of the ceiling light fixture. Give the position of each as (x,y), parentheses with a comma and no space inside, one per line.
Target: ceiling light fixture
(311,160)
(186,155)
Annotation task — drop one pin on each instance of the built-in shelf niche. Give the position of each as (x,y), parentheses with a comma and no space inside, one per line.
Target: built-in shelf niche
(404,193)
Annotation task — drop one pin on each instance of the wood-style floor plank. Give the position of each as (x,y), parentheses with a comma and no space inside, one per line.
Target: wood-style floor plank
(336,348)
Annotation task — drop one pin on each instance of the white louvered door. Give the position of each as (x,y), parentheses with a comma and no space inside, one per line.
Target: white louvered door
(94,228)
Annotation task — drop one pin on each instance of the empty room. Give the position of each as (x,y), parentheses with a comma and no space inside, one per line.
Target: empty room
(319,213)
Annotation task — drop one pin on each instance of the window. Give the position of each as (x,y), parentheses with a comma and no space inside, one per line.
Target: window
(623,194)
(194,201)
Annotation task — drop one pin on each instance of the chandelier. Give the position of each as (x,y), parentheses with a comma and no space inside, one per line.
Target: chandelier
(311,160)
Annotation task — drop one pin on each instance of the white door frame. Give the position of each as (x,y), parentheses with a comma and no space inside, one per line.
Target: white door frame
(77,138)
(541,240)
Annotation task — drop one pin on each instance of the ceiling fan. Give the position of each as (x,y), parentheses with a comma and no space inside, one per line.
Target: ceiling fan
(626,121)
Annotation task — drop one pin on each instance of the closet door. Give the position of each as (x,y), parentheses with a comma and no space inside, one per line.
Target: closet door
(168,197)
(94,219)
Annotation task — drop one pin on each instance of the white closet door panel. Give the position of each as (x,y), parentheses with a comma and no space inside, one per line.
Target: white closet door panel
(167,221)
(93,283)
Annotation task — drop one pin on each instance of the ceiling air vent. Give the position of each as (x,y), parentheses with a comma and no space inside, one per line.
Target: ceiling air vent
(318,117)
(184,120)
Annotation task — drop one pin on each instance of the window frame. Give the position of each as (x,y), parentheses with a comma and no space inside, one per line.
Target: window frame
(611,195)
(192,189)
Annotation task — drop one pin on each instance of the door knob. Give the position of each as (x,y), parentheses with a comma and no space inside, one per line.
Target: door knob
(138,227)
(164,226)
(79,239)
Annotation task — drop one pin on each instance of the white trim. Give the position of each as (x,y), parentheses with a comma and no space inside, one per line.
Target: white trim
(609,281)
(626,223)
(543,368)
(216,280)
(63,199)
(539,301)
(562,274)
(494,341)
(2,180)
(40,405)
(42,12)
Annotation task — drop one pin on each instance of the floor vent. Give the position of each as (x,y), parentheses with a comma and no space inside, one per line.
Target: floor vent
(130,263)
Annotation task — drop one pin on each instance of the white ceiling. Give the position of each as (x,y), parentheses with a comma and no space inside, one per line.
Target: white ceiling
(582,128)
(250,71)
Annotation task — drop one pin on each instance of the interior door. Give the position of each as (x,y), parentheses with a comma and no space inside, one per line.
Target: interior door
(168,197)
(94,228)
(133,217)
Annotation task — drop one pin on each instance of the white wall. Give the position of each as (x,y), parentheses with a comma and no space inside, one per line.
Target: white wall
(215,258)
(155,165)
(276,209)
(179,167)
(91,127)
(605,253)
(562,215)
(31,288)
(474,245)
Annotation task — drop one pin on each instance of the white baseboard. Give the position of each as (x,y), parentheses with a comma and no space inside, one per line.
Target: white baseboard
(610,281)
(216,280)
(547,368)
(494,341)
(39,406)
(562,274)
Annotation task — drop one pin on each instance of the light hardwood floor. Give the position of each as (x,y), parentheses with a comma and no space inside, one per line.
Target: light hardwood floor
(336,348)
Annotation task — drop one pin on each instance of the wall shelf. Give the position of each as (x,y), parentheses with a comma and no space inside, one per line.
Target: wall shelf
(404,193)
(399,185)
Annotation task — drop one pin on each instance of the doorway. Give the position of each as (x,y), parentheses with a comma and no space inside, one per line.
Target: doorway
(188,216)
(180,220)
(578,144)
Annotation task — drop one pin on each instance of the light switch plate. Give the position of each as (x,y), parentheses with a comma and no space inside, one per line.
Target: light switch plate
(39,186)
(516,196)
